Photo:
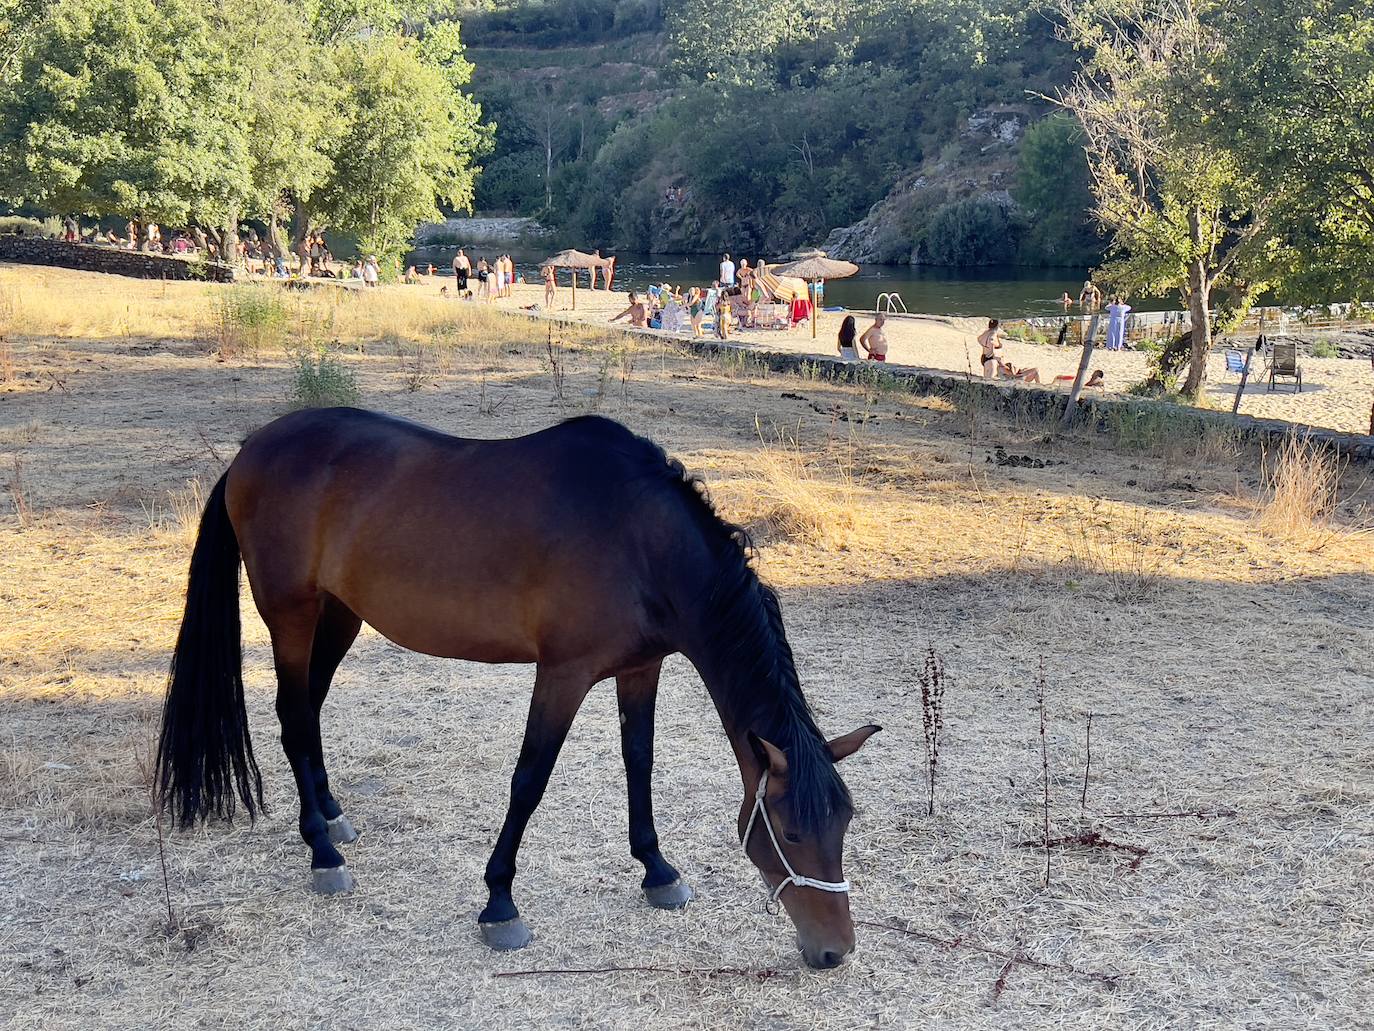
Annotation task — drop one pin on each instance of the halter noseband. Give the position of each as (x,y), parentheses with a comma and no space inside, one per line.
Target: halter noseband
(792,876)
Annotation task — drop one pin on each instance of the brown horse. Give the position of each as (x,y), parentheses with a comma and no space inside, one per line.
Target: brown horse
(581,548)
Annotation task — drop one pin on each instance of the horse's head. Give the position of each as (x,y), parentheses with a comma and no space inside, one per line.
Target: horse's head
(801,860)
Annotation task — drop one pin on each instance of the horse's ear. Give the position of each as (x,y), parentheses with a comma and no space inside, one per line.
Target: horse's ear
(845,746)
(769,754)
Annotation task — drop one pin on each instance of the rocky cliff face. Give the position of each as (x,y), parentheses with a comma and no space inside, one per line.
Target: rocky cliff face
(981,164)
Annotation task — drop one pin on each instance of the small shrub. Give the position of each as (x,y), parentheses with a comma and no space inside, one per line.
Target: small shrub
(322,381)
(249,318)
(1324,349)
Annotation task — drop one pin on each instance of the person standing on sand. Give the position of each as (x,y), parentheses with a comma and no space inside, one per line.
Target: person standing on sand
(727,272)
(696,309)
(371,273)
(874,340)
(550,287)
(990,342)
(639,316)
(1116,323)
(848,352)
(462,268)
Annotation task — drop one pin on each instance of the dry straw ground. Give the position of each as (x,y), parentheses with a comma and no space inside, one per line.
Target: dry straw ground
(1215,615)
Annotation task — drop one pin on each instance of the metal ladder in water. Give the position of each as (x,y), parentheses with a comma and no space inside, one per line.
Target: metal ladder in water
(890,303)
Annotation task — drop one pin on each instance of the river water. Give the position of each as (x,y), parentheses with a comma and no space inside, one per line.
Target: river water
(993,292)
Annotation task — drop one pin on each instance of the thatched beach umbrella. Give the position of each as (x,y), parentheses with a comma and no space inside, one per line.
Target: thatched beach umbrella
(815,269)
(573,259)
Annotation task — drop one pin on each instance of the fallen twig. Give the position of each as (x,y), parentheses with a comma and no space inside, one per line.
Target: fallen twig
(1010,958)
(1201,814)
(764,974)
(1090,839)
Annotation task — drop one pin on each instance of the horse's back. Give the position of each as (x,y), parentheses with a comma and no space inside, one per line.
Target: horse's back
(501,550)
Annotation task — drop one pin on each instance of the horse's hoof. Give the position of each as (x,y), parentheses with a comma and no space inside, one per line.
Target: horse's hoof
(341,832)
(332,880)
(506,935)
(670,896)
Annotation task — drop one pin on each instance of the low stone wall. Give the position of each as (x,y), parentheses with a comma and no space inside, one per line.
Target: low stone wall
(33,250)
(1105,414)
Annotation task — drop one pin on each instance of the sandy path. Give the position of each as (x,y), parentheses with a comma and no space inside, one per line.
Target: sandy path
(1336,391)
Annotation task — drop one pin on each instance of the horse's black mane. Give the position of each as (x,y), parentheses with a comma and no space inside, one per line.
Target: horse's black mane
(745,631)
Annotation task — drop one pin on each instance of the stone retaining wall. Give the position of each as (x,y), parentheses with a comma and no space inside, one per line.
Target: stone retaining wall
(33,250)
(1115,414)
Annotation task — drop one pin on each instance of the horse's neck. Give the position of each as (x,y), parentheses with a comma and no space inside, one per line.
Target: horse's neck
(734,701)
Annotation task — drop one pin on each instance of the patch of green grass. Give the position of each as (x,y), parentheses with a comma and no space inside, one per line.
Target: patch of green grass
(322,380)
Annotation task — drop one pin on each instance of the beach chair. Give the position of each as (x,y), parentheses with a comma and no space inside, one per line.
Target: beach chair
(1235,362)
(1283,363)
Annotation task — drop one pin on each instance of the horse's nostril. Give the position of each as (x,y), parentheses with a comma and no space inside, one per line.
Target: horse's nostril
(831,959)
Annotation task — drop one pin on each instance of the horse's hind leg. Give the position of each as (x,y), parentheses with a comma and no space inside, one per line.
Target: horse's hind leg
(334,635)
(637,693)
(293,636)
(558,693)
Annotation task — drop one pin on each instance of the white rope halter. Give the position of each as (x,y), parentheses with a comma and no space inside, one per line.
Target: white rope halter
(792,876)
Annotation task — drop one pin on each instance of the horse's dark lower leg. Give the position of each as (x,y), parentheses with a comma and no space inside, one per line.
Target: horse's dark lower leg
(334,635)
(291,644)
(637,693)
(557,696)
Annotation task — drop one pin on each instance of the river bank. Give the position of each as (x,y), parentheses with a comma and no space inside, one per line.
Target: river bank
(1336,391)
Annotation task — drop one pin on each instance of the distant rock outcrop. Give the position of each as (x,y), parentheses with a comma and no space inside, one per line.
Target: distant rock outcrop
(982,165)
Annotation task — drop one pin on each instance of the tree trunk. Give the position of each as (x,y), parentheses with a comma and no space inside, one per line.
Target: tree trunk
(229,239)
(1076,390)
(1200,312)
(1199,307)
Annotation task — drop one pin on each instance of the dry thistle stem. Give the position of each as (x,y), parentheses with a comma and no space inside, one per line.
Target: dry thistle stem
(1044,764)
(932,681)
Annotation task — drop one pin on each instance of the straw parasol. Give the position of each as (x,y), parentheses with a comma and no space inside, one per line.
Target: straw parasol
(573,259)
(814,269)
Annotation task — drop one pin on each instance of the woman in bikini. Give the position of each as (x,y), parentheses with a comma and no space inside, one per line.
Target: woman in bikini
(990,342)
(874,340)
(550,287)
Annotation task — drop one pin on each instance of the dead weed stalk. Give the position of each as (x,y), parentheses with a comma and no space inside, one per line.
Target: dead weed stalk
(932,681)
(1299,486)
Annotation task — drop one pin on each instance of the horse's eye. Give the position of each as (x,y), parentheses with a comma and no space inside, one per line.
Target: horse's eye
(792,838)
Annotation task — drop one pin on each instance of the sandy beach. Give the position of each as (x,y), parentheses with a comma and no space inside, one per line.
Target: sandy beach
(1336,391)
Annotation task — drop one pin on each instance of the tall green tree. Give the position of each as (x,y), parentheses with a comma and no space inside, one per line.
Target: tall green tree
(1182,215)
(123,107)
(409,140)
(1291,96)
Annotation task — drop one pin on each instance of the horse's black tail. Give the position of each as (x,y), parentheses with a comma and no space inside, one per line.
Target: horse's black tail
(204,755)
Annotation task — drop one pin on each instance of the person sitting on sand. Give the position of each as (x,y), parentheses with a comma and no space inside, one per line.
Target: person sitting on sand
(637,311)
(412,276)
(848,353)
(874,340)
(1010,371)
(990,342)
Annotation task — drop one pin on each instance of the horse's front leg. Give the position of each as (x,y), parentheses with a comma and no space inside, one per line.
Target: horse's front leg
(558,693)
(637,693)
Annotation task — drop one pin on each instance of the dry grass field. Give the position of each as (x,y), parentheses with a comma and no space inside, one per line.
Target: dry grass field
(1212,609)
